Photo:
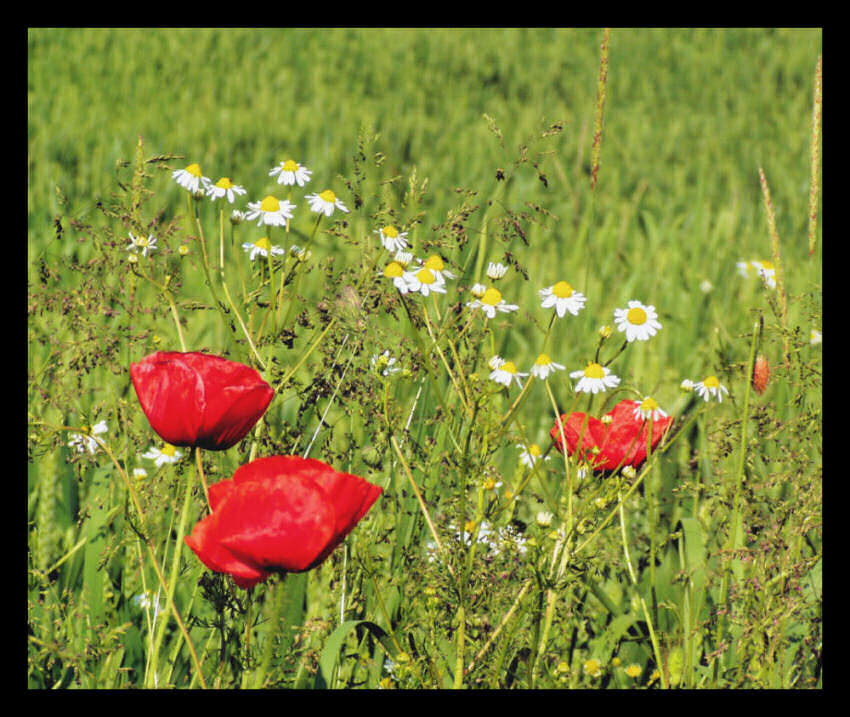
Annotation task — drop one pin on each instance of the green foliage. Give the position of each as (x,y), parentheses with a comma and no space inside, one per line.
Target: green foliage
(702,570)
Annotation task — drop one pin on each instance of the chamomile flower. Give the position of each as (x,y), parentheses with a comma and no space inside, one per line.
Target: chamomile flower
(261,247)
(530,454)
(270,211)
(543,366)
(237,216)
(815,337)
(477,290)
(648,409)
(710,387)
(506,373)
(224,188)
(435,264)
(496,271)
(290,172)
(395,271)
(563,297)
(191,178)
(424,281)
(403,257)
(767,271)
(392,238)
(637,321)
(384,364)
(85,442)
(594,379)
(161,456)
(142,243)
(490,302)
(325,202)
(495,362)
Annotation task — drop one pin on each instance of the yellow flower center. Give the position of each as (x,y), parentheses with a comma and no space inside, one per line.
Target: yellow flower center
(534,450)
(489,484)
(508,366)
(434,263)
(469,526)
(393,270)
(543,360)
(711,382)
(562,290)
(142,241)
(491,297)
(649,404)
(594,370)
(270,204)
(263,243)
(425,276)
(194,170)
(636,316)
(390,231)
(767,265)
(290,165)
(328,196)
(168,450)
(224,183)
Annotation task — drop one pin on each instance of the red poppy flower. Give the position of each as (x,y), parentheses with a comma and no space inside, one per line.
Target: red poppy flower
(279,514)
(196,399)
(608,446)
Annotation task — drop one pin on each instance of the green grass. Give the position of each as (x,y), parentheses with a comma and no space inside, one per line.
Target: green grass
(415,127)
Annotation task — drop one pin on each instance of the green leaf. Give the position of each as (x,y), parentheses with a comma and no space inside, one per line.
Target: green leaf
(330,654)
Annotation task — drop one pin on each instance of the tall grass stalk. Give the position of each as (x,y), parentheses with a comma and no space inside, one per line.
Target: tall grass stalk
(814,192)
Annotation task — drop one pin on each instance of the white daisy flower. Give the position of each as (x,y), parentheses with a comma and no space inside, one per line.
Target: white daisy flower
(746,268)
(705,286)
(271,211)
(710,387)
(424,281)
(495,362)
(478,290)
(507,373)
(142,243)
(496,271)
(637,321)
(191,178)
(384,364)
(543,366)
(563,297)
(161,456)
(687,385)
(403,257)
(435,264)
(648,409)
(815,337)
(140,473)
(325,203)
(767,271)
(395,271)
(530,454)
(237,216)
(224,188)
(594,378)
(392,238)
(261,247)
(85,442)
(490,302)
(290,172)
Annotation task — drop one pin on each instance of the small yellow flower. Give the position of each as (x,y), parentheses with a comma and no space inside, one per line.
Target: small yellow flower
(633,670)
(592,667)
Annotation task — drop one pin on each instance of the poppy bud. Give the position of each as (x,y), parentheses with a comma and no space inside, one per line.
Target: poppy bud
(761,374)
(200,400)
(279,514)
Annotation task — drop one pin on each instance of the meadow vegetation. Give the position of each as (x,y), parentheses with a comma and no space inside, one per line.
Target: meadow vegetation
(637,165)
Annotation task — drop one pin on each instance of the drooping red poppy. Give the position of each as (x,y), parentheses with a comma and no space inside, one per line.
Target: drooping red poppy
(197,399)
(279,514)
(607,446)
